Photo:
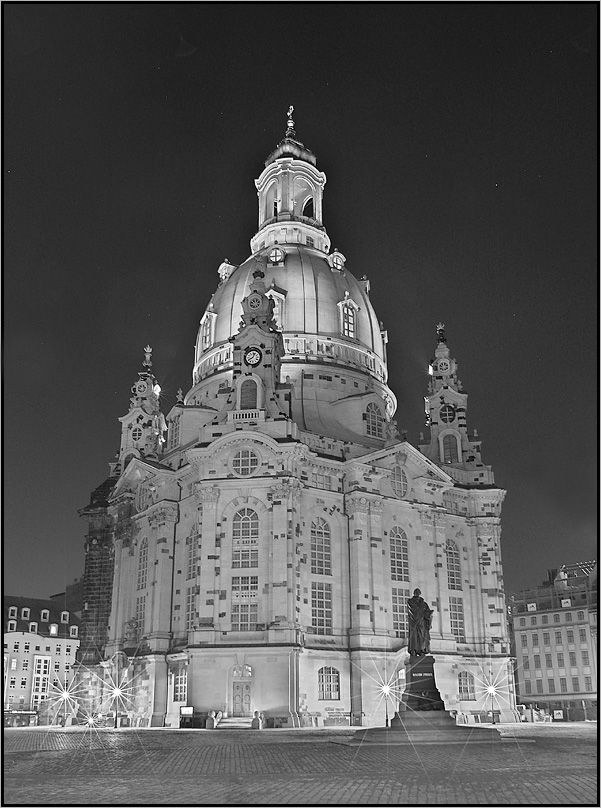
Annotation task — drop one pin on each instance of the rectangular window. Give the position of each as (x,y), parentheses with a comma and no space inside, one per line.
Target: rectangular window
(575,684)
(588,684)
(560,660)
(320,481)
(551,685)
(563,685)
(545,619)
(546,638)
(522,621)
(192,567)
(585,658)
(68,650)
(570,635)
(245,586)
(321,608)
(13,682)
(528,685)
(456,613)
(558,637)
(42,665)
(537,661)
(321,548)
(399,612)
(535,639)
(25,665)
(23,683)
(190,607)
(180,684)
(526,663)
(16,646)
(539,685)
(245,553)
(57,666)
(556,618)
(328,684)
(573,659)
(582,634)
(467,691)
(245,616)
(13,664)
(524,640)
(533,621)
(26,647)
(569,617)
(399,559)
(548,661)
(140,615)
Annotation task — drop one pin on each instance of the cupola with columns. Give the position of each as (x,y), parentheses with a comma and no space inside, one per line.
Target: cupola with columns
(450,444)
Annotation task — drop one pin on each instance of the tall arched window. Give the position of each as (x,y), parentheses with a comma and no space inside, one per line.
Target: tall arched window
(245,539)
(453,565)
(399,555)
(449,449)
(321,549)
(248,395)
(349,326)
(328,684)
(308,208)
(192,565)
(373,421)
(398,482)
(143,565)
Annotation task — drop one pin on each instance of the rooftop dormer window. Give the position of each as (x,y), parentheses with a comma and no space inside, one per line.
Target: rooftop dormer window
(64,617)
(24,614)
(33,628)
(45,616)
(12,611)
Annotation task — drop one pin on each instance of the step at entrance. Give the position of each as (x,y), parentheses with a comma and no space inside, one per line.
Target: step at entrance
(238,722)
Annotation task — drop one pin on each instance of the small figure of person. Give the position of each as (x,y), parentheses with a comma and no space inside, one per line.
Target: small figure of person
(420,622)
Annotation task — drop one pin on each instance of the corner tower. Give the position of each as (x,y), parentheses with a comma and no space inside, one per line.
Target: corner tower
(450,444)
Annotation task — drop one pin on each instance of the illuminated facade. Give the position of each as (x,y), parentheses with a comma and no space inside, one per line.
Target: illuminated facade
(263,537)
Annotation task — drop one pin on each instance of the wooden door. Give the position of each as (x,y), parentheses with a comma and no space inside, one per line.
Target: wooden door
(242,702)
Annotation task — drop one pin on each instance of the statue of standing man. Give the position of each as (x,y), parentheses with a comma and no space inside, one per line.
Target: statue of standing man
(420,622)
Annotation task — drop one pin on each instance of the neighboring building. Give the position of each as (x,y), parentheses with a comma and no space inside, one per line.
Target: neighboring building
(554,630)
(72,598)
(260,558)
(41,640)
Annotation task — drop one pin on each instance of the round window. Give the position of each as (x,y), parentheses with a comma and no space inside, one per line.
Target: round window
(245,462)
(447,413)
(136,433)
(276,256)
(399,482)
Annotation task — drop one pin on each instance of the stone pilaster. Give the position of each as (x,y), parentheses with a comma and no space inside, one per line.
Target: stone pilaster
(162,520)
(285,498)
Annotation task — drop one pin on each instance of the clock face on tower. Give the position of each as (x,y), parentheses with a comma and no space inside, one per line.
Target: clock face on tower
(254,301)
(252,356)
(443,365)
(141,388)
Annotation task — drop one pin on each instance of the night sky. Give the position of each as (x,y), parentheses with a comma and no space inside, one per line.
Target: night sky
(460,146)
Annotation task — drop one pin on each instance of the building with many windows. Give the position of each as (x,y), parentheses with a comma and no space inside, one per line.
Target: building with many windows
(41,640)
(554,630)
(254,547)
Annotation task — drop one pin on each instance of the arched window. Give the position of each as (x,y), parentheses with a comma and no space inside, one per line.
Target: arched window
(399,555)
(12,611)
(328,684)
(143,565)
(398,482)
(467,690)
(45,616)
(321,549)
(453,565)
(449,449)
(373,421)
(33,628)
(245,539)
(25,614)
(248,395)
(11,625)
(206,332)
(180,684)
(308,208)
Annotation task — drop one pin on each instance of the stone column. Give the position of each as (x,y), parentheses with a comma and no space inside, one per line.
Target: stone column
(162,521)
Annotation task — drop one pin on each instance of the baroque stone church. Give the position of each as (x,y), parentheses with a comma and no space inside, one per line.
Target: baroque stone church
(254,547)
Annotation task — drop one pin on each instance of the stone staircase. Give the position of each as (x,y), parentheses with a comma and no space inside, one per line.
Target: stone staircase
(238,722)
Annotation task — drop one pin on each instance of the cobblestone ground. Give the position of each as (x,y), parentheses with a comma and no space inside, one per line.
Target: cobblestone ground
(530,765)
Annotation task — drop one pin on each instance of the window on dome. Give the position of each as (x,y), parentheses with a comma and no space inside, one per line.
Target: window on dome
(348,321)
(373,421)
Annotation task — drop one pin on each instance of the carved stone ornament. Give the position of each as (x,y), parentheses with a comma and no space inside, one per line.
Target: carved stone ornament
(289,488)
(208,497)
(357,505)
(375,507)
(164,514)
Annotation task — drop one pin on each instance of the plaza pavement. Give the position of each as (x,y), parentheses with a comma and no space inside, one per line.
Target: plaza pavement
(545,764)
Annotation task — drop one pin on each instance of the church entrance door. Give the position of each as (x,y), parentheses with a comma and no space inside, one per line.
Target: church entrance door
(242,699)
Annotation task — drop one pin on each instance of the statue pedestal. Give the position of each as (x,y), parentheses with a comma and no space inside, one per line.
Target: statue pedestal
(422,717)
